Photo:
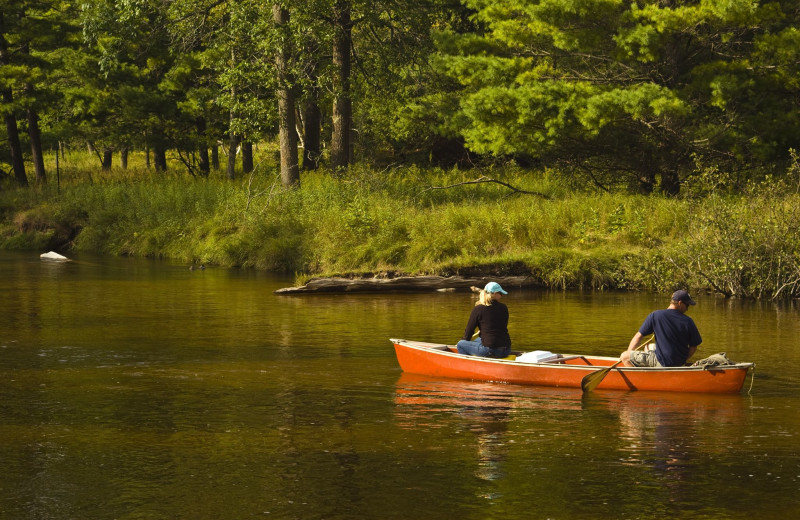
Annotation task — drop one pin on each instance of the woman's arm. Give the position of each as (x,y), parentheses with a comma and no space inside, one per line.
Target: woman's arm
(472,324)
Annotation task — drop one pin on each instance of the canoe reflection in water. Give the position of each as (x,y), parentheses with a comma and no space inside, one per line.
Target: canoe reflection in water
(665,441)
(484,409)
(479,408)
(673,434)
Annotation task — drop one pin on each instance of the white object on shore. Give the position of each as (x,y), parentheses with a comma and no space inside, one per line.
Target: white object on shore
(52,255)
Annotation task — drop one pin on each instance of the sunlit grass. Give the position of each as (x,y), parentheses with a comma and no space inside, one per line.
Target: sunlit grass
(412,220)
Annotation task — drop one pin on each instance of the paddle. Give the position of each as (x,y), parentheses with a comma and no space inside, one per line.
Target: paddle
(590,382)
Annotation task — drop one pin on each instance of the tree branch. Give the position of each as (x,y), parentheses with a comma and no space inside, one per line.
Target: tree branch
(185,161)
(484,180)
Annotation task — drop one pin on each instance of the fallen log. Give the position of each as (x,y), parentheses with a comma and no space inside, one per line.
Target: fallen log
(405,284)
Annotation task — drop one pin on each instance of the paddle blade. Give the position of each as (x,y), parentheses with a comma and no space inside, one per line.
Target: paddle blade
(590,382)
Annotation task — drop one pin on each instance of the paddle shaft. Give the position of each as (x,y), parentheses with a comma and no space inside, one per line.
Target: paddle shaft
(590,381)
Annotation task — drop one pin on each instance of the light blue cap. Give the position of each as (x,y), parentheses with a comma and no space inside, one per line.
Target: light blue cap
(494,287)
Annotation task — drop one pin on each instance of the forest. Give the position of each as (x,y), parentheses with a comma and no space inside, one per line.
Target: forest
(610,107)
(640,95)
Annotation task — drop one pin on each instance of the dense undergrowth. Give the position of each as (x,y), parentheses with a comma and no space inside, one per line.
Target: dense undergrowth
(410,220)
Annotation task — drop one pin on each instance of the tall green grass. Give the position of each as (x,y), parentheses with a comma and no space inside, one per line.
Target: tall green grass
(416,221)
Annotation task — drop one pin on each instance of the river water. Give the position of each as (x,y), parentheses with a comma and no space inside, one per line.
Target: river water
(138,389)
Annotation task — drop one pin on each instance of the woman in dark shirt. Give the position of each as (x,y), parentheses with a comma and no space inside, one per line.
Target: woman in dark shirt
(490,317)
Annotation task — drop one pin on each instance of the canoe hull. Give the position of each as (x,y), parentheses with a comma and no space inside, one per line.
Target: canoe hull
(439,360)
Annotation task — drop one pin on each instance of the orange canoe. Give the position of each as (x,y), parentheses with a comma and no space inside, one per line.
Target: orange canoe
(434,359)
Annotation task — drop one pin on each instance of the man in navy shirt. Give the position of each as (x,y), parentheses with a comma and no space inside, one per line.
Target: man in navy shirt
(677,337)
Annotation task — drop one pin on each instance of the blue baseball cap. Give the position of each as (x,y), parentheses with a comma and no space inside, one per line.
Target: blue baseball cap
(682,296)
(492,287)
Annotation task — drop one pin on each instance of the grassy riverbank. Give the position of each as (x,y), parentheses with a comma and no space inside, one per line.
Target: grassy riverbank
(413,221)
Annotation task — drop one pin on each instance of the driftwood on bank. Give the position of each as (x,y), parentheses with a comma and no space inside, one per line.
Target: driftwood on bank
(405,284)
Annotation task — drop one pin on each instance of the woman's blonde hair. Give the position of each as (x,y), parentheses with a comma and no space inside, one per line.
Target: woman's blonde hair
(485,298)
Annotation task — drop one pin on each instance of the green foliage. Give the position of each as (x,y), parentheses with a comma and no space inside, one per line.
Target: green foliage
(395,221)
(641,96)
(564,268)
(627,94)
(749,247)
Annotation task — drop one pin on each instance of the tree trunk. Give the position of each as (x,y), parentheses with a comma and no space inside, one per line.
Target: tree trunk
(108,155)
(35,136)
(233,145)
(670,183)
(405,283)
(160,158)
(312,122)
(215,156)
(203,164)
(312,129)
(247,157)
(123,157)
(13,143)
(233,139)
(12,131)
(290,171)
(342,105)
(202,149)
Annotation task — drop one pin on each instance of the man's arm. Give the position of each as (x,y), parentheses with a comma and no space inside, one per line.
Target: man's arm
(635,341)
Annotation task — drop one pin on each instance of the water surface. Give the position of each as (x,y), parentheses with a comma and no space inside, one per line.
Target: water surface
(136,389)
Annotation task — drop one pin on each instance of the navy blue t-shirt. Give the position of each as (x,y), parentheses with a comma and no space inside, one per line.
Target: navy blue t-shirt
(675,333)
